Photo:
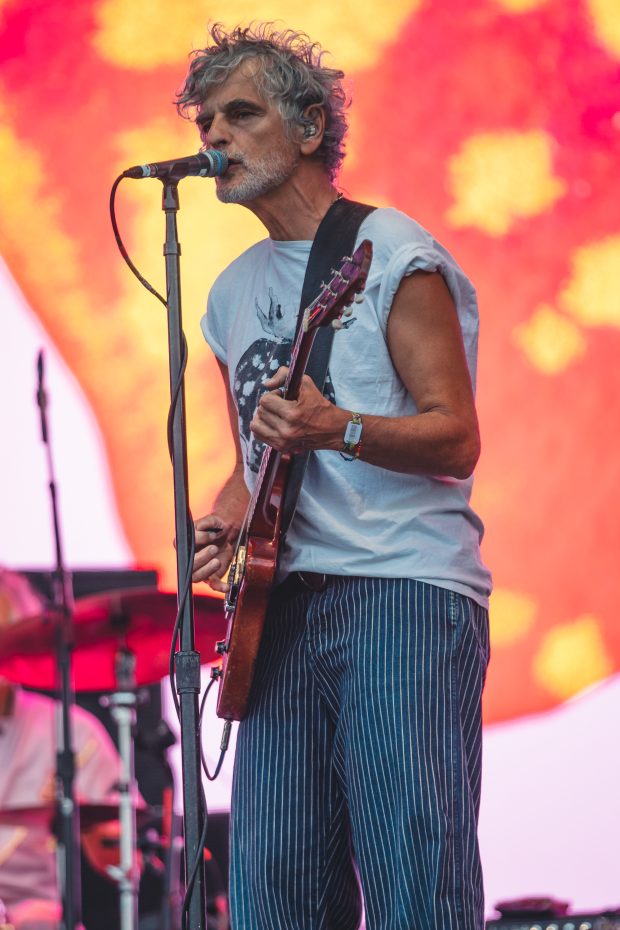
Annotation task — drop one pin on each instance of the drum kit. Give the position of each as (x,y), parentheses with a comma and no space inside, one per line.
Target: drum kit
(118,642)
(121,643)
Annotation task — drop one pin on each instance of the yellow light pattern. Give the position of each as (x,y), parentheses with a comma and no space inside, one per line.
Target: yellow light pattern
(130,34)
(606,16)
(572,657)
(23,183)
(511,616)
(592,295)
(550,341)
(521,6)
(499,178)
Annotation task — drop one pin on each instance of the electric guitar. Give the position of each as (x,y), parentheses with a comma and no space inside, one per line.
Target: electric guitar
(254,563)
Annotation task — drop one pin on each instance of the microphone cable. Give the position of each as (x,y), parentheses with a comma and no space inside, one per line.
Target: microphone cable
(121,245)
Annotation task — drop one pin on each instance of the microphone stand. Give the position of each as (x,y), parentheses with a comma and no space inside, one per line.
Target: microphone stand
(187,660)
(66,810)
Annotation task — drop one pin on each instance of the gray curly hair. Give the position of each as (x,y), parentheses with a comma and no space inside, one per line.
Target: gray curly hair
(290,73)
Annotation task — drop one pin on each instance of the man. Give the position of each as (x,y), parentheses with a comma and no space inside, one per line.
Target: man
(360,754)
(28,885)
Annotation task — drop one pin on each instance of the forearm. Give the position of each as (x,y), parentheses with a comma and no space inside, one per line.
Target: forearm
(217,532)
(232,501)
(435,442)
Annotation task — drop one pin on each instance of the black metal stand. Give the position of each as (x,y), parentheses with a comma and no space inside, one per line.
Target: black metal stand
(67,812)
(187,662)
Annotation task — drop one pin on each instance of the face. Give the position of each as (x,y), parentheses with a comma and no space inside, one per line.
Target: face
(236,119)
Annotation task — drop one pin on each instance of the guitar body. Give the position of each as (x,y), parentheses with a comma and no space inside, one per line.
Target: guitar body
(254,564)
(245,629)
(251,579)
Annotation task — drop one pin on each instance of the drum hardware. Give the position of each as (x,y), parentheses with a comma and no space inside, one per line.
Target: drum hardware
(141,619)
(121,642)
(122,704)
(42,815)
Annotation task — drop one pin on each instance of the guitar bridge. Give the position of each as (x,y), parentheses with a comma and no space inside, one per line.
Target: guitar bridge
(235,577)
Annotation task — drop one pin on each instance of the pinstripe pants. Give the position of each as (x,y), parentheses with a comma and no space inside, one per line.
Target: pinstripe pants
(360,759)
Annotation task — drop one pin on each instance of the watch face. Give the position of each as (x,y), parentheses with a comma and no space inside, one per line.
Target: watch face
(353,433)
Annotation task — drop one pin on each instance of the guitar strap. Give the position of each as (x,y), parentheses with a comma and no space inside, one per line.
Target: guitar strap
(334,238)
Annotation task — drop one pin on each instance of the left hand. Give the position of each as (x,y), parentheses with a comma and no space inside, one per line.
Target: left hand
(308,423)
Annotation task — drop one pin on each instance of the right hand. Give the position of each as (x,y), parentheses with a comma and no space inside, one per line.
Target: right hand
(215,546)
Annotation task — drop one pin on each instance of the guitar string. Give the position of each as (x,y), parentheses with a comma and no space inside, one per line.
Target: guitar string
(308,317)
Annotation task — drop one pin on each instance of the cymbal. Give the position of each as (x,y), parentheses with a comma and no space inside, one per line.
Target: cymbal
(140,619)
(42,815)
(91,814)
(35,815)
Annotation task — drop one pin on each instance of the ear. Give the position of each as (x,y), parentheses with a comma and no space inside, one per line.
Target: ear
(311,134)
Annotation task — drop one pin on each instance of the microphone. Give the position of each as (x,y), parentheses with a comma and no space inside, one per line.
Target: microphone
(41,394)
(210,164)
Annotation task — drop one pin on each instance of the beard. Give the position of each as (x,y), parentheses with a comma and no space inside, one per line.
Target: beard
(260,176)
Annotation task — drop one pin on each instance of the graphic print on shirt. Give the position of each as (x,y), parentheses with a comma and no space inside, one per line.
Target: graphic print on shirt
(260,361)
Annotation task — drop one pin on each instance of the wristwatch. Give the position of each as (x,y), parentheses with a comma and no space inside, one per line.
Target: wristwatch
(352,440)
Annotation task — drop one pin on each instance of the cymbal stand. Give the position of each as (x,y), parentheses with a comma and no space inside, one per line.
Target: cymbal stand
(67,811)
(122,704)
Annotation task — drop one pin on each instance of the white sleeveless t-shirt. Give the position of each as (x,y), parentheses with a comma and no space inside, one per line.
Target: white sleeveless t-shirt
(352,518)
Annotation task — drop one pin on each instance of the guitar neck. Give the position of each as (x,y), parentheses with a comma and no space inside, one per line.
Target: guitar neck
(327,308)
(261,510)
(299,362)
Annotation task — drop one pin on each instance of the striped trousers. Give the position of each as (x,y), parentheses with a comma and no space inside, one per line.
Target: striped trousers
(359,762)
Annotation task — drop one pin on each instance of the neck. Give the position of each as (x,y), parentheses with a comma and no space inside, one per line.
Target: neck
(294,210)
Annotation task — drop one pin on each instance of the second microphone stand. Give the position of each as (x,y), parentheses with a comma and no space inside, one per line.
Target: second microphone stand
(66,808)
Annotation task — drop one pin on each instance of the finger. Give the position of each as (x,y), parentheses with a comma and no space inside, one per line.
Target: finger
(276,403)
(205,556)
(211,523)
(209,538)
(278,379)
(265,433)
(204,537)
(207,552)
(268,419)
(205,572)
(217,584)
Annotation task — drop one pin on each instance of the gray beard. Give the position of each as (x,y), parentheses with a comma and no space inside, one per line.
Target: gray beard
(262,177)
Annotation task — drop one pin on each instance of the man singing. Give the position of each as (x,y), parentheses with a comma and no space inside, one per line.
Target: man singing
(358,764)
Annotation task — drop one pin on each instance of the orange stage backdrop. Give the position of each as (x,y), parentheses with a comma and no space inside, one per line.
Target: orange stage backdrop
(496,124)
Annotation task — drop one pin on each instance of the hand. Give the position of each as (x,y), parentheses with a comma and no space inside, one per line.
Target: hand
(215,545)
(308,423)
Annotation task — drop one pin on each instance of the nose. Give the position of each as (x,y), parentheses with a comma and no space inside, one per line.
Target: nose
(217,135)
